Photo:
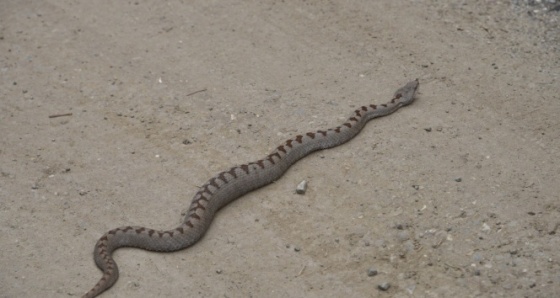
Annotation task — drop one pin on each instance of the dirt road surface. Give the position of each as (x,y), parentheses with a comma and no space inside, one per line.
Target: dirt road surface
(456,195)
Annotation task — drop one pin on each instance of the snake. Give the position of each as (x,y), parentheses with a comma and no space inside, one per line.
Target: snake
(231,184)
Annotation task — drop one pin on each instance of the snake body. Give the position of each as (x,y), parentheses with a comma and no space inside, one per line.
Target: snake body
(230,185)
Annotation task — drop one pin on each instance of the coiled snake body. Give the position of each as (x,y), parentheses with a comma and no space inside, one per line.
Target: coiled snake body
(231,184)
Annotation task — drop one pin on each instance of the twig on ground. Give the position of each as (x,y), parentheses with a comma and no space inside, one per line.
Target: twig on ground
(193,93)
(60,115)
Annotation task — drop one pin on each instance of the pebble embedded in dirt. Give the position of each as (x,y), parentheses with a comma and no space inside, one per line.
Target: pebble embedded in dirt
(403,236)
(372,272)
(384,286)
(301,188)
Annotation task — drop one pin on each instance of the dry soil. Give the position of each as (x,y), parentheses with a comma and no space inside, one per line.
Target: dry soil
(456,195)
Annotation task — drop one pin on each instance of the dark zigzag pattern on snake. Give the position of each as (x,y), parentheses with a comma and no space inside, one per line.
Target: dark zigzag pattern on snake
(230,185)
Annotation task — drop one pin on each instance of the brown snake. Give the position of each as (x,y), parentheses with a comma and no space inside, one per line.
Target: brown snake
(230,185)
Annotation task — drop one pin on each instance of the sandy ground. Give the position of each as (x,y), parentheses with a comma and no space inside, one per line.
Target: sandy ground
(456,195)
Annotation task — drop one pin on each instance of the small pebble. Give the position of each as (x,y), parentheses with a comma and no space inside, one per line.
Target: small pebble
(219,271)
(384,286)
(428,129)
(296,248)
(459,179)
(371,272)
(403,236)
(301,188)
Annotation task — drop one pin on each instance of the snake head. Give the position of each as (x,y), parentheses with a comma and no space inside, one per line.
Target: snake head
(405,94)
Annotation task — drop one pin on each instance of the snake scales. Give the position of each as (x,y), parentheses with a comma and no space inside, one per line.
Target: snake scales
(230,185)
